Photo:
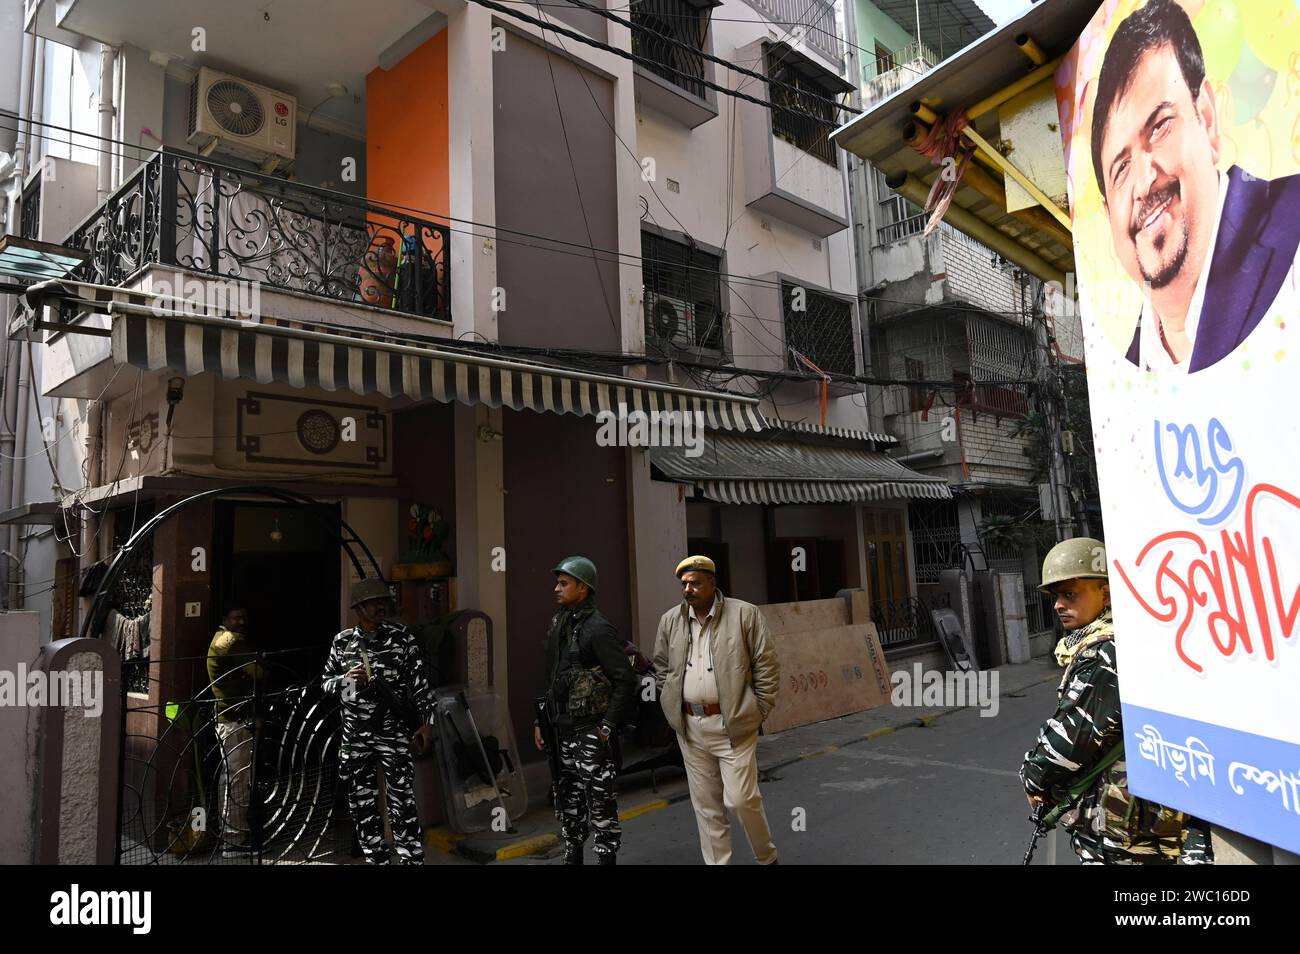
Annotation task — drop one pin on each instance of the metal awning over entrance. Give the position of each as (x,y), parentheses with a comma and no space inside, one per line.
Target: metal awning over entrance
(737,469)
(301,355)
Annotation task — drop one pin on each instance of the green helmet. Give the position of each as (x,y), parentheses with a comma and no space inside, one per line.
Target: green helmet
(580,568)
(371,588)
(1073,559)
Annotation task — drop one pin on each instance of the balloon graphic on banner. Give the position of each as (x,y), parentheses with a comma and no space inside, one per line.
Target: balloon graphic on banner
(1273,31)
(1252,84)
(1219,28)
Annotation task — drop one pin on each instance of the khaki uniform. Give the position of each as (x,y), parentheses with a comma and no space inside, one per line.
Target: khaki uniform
(725,664)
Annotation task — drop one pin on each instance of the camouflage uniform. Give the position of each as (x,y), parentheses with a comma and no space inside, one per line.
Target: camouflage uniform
(385,743)
(1109,825)
(585,792)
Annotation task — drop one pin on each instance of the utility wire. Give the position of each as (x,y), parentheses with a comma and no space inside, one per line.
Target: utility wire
(579,249)
(648,63)
(696,51)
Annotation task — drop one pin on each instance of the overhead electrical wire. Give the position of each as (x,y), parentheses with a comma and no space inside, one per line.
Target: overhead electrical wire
(579,249)
(648,63)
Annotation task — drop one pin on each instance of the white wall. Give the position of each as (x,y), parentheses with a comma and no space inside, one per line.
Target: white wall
(755,244)
(69,100)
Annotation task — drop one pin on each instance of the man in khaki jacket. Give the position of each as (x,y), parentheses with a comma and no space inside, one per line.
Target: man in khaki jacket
(718,675)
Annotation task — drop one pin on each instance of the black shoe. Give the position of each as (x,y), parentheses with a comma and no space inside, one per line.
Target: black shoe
(573,855)
(606,858)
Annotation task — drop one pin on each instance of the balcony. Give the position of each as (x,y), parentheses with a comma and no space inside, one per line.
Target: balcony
(675,36)
(229,224)
(814,21)
(908,63)
(791,168)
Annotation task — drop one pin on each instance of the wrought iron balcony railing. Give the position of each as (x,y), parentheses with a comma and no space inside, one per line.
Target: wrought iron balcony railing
(181,210)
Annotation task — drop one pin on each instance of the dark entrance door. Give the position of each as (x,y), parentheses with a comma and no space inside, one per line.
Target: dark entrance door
(282,562)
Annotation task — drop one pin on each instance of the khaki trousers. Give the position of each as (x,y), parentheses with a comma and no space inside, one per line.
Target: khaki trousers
(721,777)
(236,776)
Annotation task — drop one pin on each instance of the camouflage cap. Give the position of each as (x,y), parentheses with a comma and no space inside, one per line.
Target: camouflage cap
(696,563)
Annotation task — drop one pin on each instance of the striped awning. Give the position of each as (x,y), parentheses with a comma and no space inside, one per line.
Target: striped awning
(277,351)
(759,469)
(830,430)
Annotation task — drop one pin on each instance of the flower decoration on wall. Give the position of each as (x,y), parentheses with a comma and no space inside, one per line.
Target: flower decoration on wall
(426,534)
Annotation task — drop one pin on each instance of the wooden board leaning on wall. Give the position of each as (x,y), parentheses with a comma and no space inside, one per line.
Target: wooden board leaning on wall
(832,663)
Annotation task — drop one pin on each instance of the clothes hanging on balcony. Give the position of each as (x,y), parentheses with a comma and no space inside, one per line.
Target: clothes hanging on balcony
(126,633)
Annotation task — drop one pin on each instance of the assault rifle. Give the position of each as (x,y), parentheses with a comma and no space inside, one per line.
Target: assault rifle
(544,707)
(1046,816)
(389,701)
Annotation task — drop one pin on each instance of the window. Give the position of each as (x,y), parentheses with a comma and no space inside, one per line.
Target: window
(655,23)
(683,294)
(793,109)
(898,218)
(884,59)
(1002,400)
(914,370)
(820,327)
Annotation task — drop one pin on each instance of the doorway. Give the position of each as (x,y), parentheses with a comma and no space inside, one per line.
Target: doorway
(282,562)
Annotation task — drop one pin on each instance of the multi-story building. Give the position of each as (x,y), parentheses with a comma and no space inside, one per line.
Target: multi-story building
(429,243)
(951,324)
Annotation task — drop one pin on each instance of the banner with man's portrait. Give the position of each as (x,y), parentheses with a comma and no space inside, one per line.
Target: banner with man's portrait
(1181,125)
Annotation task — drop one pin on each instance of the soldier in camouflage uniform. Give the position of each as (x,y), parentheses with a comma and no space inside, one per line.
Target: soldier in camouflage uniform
(592,691)
(378,724)
(1109,825)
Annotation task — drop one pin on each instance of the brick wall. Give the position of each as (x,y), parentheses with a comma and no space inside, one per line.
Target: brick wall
(991,452)
(971,275)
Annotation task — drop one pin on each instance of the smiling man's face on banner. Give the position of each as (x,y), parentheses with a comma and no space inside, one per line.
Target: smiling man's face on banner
(1158,159)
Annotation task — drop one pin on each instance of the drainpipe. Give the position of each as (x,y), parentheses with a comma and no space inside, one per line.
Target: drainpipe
(90,519)
(854,190)
(104,183)
(13,354)
(19,467)
(22,412)
(919,455)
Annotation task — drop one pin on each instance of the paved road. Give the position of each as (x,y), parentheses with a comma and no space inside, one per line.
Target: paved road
(945,794)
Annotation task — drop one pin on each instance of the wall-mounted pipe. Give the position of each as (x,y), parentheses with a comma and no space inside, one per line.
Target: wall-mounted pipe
(107,110)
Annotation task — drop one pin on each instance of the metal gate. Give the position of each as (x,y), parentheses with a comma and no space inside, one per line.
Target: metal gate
(189,796)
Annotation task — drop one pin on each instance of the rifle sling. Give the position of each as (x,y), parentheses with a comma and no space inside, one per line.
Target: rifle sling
(1079,788)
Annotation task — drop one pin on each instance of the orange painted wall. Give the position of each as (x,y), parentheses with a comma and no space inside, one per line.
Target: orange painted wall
(407,140)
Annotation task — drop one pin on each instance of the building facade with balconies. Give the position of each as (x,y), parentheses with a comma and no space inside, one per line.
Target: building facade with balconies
(950,327)
(403,318)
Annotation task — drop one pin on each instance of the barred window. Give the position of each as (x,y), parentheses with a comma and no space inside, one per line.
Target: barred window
(683,294)
(793,109)
(655,23)
(821,330)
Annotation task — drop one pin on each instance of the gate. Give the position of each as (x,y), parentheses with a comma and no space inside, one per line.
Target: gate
(188,796)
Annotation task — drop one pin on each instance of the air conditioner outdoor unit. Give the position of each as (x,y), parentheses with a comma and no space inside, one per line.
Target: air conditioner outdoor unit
(674,322)
(246,120)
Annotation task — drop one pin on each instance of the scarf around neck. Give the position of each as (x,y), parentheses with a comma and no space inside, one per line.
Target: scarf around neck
(1103,627)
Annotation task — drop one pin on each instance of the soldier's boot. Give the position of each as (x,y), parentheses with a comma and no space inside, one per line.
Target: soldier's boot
(573,854)
(607,858)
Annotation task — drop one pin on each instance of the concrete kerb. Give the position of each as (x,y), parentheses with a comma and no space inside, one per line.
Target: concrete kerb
(484,851)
